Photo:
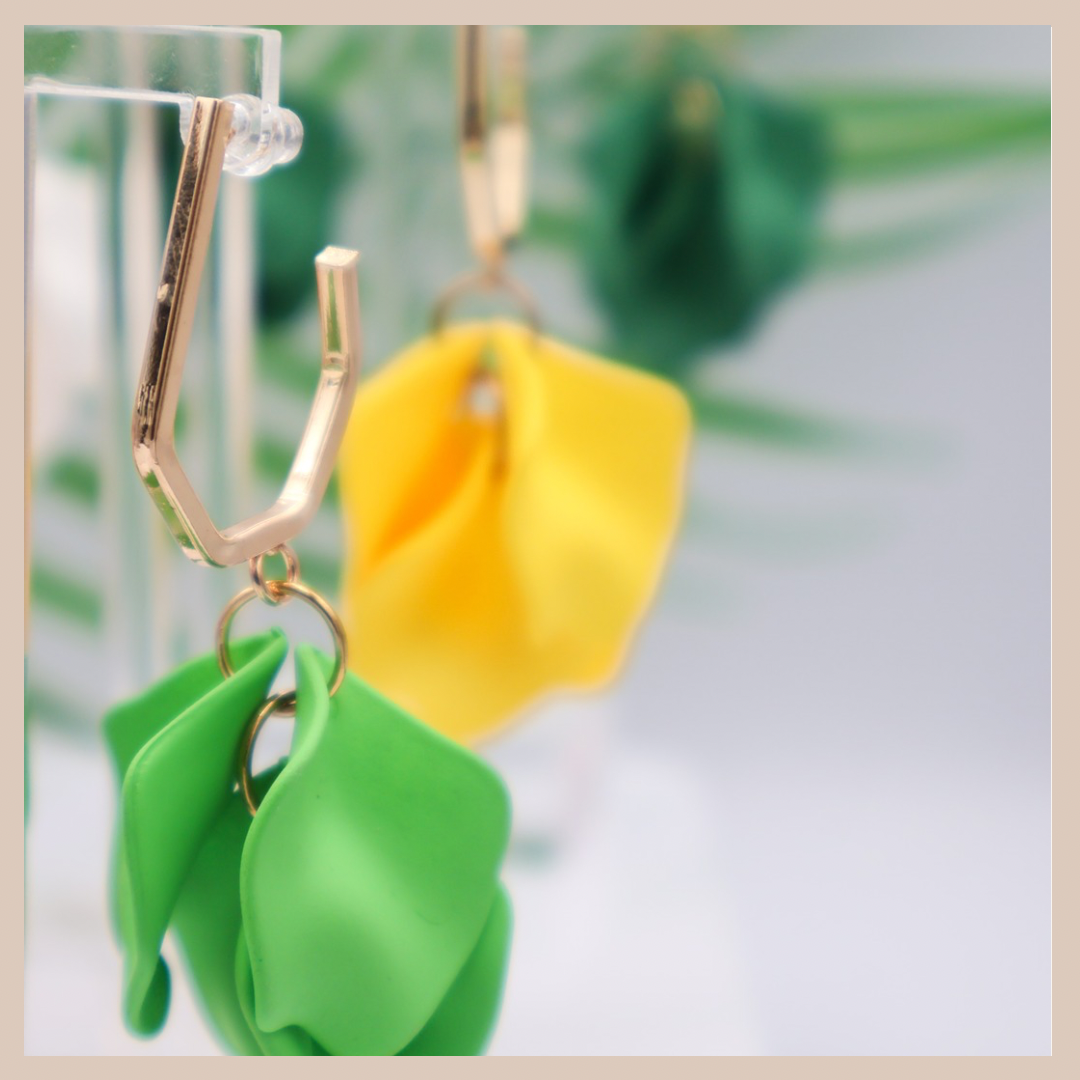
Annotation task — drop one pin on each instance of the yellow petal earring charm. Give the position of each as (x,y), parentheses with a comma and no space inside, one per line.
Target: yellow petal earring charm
(509,501)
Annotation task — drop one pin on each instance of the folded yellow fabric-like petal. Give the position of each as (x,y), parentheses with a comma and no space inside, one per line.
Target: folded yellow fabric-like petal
(498,552)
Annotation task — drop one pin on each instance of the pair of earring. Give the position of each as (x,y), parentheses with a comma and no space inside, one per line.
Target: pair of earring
(509,502)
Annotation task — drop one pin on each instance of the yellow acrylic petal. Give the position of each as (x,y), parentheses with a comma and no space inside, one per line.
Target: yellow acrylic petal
(494,558)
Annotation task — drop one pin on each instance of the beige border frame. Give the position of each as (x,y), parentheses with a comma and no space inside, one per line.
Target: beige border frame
(1066,526)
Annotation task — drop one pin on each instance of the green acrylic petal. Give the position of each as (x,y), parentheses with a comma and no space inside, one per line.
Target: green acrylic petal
(174,789)
(129,726)
(286,1042)
(463,1023)
(207,925)
(368,880)
(369,872)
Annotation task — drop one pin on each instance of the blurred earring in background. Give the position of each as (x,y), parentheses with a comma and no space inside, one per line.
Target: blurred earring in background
(508,501)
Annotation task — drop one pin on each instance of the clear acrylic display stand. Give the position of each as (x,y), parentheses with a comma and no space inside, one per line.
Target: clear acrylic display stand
(153,605)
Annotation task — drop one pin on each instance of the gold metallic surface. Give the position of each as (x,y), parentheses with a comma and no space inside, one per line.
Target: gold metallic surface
(268,589)
(494,165)
(487,281)
(153,422)
(286,589)
(283,703)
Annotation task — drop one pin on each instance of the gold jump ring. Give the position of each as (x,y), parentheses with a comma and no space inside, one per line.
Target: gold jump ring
(287,589)
(491,279)
(278,703)
(270,591)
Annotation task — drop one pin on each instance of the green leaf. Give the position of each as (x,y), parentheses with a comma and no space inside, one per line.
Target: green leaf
(296,207)
(880,134)
(556,228)
(54,589)
(72,476)
(907,240)
(805,433)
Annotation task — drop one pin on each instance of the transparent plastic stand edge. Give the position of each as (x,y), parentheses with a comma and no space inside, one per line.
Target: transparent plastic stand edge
(147,616)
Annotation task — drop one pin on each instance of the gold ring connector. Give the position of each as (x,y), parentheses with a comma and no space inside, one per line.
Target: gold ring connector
(285,703)
(287,589)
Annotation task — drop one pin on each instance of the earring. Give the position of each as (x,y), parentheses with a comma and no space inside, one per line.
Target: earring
(346,901)
(509,501)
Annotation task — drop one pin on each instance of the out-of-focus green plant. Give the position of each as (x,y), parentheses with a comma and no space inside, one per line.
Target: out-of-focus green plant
(689,193)
(705,194)
(889,133)
(706,191)
(298,208)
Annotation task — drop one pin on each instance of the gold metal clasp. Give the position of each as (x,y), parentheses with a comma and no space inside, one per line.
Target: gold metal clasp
(154,418)
(494,166)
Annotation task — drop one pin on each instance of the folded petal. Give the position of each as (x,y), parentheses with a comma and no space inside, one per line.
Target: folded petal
(369,872)
(465,1019)
(288,1041)
(491,560)
(208,927)
(175,787)
(129,726)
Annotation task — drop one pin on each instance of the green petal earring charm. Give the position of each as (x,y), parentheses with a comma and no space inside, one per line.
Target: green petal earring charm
(346,901)
(357,912)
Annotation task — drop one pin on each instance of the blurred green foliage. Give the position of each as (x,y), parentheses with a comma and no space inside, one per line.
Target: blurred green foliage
(688,194)
(705,195)
(886,134)
(298,206)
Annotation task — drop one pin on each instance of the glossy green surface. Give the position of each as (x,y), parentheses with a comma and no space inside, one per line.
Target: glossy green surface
(359,912)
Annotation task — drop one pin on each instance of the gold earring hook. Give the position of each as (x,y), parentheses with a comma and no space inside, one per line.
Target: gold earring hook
(494,167)
(158,394)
